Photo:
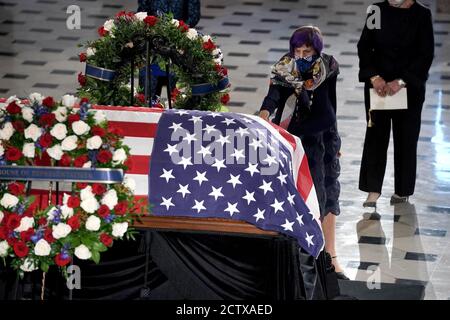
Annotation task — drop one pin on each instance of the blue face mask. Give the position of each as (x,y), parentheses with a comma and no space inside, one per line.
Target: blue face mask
(305,64)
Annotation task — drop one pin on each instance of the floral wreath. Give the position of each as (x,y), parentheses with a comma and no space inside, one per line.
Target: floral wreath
(196,62)
(42,132)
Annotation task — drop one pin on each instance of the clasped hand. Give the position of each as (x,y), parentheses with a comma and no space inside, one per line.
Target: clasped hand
(383,88)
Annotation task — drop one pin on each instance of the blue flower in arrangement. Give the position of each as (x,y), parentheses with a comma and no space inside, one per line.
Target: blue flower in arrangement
(20,208)
(84,109)
(110,218)
(92,154)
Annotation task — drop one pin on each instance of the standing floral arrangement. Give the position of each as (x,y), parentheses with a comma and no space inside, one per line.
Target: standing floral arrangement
(43,132)
(197,61)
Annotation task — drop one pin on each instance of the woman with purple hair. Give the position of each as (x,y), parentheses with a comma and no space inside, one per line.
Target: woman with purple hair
(309,75)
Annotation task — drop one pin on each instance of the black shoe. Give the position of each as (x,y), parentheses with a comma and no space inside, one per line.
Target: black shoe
(395,199)
(341,276)
(370,204)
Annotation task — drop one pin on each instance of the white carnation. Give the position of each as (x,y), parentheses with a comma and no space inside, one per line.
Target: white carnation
(93,223)
(80,127)
(61,230)
(9,201)
(61,114)
(27,114)
(66,212)
(59,131)
(192,33)
(82,252)
(29,265)
(99,116)
(94,143)
(90,52)
(119,156)
(4,246)
(129,183)
(7,131)
(87,193)
(69,100)
(141,15)
(175,22)
(119,229)
(90,205)
(206,38)
(109,25)
(33,132)
(25,224)
(55,152)
(70,143)
(36,97)
(110,199)
(42,248)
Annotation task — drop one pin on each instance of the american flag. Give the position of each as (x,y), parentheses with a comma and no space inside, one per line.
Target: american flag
(221,165)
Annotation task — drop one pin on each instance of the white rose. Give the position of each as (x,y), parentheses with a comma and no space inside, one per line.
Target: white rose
(129,183)
(110,199)
(119,229)
(218,61)
(68,100)
(175,22)
(36,97)
(99,116)
(55,152)
(61,114)
(28,150)
(33,132)
(119,156)
(42,248)
(61,230)
(25,224)
(192,33)
(141,16)
(7,131)
(66,212)
(70,143)
(87,193)
(80,127)
(29,265)
(94,143)
(1,216)
(59,131)
(2,150)
(93,223)
(9,201)
(27,114)
(206,38)
(90,205)
(87,164)
(4,246)
(12,99)
(129,44)
(109,25)
(90,52)
(82,252)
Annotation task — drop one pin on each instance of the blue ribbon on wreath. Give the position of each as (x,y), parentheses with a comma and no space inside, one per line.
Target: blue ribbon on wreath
(205,88)
(100,73)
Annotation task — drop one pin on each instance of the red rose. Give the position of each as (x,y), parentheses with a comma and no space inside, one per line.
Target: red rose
(65,161)
(73,202)
(48,236)
(98,189)
(81,185)
(121,208)
(20,249)
(82,79)
(42,221)
(74,222)
(18,125)
(80,161)
(26,235)
(71,118)
(83,57)
(98,131)
(47,120)
(46,140)
(12,241)
(183,26)
(13,108)
(13,221)
(13,154)
(225,98)
(16,188)
(224,71)
(84,100)
(151,20)
(102,32)
(48,102)
(174,94)
(60,261)
(209,45)
(44,160)
(120,14)
(3,233)
(106,240)
(104,156)
(103,211)
(140,97)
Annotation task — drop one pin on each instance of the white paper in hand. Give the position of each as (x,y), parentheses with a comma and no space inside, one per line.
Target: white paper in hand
(398,101)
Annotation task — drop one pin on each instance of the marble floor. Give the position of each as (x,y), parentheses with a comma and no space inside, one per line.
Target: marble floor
(406,243)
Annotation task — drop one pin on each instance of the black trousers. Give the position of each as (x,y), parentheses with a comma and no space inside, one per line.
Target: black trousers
(406,128)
